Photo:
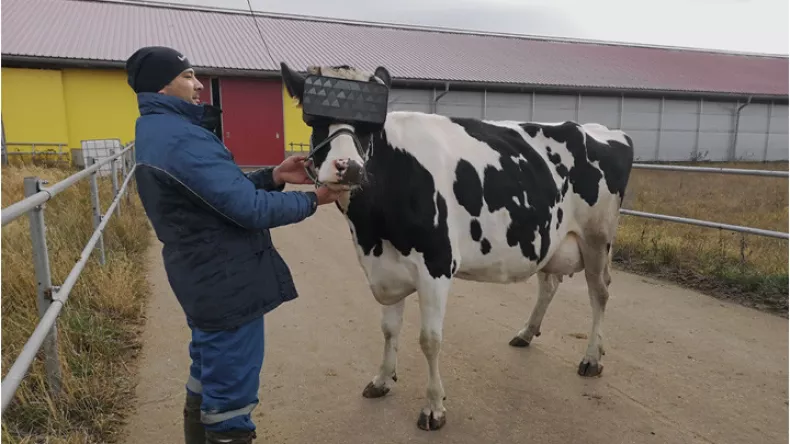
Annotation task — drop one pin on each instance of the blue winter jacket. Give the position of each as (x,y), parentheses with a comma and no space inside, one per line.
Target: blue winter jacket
(212,218)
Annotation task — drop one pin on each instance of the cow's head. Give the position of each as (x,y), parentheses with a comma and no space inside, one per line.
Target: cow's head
(337,156)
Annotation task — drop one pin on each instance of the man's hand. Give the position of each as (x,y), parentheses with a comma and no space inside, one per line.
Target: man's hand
(326,195)
(291,171)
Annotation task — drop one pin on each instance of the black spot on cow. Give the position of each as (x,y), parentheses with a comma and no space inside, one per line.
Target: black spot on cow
(615,159)
(555,158)
(485,246)
(523,171)
(403,214)
(455,267)
(467,188)
(475,230)
(320,133)
(559,217)
(584,177)
(562,170)
(532,130)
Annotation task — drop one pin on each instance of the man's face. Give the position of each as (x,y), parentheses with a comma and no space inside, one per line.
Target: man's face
(185,86)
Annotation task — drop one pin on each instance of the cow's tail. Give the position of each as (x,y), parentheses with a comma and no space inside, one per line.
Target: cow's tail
(628,164)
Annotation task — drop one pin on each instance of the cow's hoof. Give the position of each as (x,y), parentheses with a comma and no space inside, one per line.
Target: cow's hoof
(518,341)
(430,421)
(590,368)
(371,391)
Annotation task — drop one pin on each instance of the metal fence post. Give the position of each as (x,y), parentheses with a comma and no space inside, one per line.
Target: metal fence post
(124,166)
(90,161)
(133,162)
(44,289)
(127,169)
(114,168)
(5,147)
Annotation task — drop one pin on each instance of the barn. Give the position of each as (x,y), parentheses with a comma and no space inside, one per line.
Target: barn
(63,80)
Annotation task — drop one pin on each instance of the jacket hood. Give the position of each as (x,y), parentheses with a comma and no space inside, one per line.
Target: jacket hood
(204,115)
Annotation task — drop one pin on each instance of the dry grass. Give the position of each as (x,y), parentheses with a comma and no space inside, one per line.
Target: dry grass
(98,329)
(747,268)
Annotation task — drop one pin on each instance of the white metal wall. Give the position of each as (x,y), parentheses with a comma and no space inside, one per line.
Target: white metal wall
(664,130)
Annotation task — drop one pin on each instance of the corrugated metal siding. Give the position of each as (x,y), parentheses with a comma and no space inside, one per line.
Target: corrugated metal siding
(33,106)
(106,31)
(93,95)
(687,129)
(68,106)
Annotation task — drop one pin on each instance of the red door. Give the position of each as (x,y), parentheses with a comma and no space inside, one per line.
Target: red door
(252,120)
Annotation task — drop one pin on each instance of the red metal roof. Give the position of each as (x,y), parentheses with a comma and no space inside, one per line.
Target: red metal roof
(95,30)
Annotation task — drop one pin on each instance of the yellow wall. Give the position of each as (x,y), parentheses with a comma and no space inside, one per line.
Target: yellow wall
(296,130)
(67,106)
(99,105)
(33,107)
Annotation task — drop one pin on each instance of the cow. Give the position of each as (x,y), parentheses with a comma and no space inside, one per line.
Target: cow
(429,198)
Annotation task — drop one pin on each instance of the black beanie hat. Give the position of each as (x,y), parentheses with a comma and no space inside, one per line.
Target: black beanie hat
(151,68)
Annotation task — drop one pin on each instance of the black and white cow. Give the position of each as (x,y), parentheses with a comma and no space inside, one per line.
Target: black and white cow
(433,197)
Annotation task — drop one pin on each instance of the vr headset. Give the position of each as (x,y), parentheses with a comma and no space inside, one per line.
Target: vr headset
(331,100)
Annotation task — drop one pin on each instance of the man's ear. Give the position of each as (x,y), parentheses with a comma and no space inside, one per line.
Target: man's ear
(294,82)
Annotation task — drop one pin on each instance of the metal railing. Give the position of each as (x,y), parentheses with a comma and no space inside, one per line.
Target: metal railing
(705,223)
(297,147)
(51,299)
(47,151)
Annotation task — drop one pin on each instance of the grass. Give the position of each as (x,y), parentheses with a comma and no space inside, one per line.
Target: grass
(749,269)
(98,329)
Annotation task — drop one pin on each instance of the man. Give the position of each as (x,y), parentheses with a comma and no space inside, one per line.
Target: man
(214,222)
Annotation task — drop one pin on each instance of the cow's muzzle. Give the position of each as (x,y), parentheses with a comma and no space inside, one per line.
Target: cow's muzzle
(349,172)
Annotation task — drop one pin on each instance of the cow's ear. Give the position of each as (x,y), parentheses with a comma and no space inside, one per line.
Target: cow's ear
(384,75)
(294,82)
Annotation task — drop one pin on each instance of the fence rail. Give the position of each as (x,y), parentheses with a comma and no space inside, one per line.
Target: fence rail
(48,149)
(696,169)
(51,299)
(706,223)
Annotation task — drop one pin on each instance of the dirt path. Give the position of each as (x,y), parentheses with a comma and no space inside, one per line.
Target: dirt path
(680,367)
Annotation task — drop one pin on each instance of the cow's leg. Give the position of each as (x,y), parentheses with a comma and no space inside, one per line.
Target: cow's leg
(391,321)
(598,279)
(433,302)
(547,287)
(567,260)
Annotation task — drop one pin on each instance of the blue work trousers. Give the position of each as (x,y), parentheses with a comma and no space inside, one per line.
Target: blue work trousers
(225,370)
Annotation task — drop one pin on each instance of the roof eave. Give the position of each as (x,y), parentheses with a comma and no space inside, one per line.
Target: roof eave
(25,61)
(11,60)
(582,89)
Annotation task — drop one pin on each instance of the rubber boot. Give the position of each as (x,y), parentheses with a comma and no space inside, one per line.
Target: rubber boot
(194,431)
(230,437)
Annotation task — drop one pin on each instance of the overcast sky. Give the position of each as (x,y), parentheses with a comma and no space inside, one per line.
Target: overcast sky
(739,25)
